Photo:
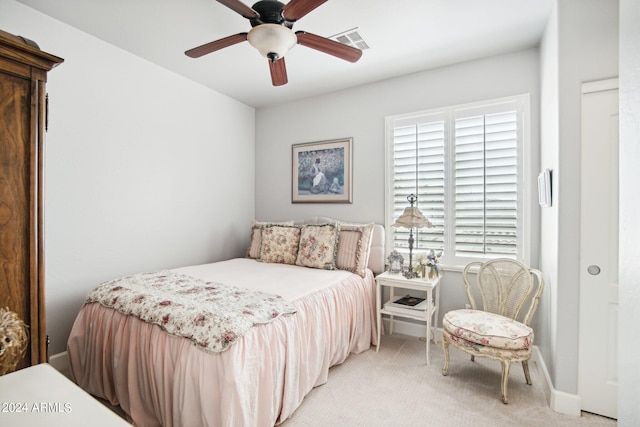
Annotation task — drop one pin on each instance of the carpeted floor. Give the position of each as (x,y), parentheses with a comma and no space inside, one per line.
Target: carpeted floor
(395,387)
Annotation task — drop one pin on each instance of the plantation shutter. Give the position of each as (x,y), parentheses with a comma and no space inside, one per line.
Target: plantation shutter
(418,159)
(464,164)
(486,182)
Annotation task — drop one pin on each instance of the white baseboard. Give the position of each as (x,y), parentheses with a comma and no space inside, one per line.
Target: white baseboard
(559,401)
(60,362)
(565,403)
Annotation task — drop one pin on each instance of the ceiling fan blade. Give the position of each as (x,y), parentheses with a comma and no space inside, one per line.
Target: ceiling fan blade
(278,72)
(296,9)
(329,46)
(241,8)
(199,51)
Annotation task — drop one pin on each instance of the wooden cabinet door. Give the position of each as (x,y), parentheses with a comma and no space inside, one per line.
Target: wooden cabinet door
(16,196)
(23,73)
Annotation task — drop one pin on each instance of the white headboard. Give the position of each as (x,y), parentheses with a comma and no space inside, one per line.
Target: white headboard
(376,254)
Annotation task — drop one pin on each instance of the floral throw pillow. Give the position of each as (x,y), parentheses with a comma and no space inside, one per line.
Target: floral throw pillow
(253,251)
(318,246)
(279,244)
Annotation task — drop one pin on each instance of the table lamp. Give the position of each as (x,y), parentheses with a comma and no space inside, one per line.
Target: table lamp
(412,218)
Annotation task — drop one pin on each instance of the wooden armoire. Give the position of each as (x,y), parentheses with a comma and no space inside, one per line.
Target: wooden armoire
(23,117)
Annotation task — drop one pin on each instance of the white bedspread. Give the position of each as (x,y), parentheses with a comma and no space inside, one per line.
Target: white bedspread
(160,379)
(289,281)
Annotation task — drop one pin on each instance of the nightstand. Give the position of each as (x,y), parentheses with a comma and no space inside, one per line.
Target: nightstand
(397,280)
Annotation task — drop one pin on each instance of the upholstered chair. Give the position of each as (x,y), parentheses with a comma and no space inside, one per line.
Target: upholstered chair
(500,328)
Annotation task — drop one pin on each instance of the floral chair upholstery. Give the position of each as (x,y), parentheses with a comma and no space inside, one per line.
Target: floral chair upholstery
(497,330)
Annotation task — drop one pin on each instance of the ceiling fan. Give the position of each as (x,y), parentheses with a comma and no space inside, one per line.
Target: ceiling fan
(272,34)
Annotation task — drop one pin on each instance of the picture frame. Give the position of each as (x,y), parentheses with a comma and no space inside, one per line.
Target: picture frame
(395,262)
(321,172)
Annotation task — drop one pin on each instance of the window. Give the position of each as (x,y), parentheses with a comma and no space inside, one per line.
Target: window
(465,165)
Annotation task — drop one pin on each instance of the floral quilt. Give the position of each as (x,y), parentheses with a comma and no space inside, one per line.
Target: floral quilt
(212,315)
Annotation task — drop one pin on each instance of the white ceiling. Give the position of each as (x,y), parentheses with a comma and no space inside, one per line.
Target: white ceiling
(404,36)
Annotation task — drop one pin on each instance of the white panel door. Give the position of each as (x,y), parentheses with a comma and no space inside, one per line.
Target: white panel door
(598,348)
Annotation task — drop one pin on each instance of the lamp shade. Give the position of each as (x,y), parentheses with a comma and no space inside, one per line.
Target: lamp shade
(412,218)
(272,40)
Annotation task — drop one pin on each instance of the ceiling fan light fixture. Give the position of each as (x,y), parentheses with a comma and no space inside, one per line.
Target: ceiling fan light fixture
(273,41)
(271,34)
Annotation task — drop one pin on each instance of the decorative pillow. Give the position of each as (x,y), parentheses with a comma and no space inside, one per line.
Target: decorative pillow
(253,251)
(354,244)
(318,246)
(279,243)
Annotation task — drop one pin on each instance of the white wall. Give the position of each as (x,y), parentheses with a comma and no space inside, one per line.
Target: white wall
(359,113)
(549,159)
(629,351)
(588,50)
(580,45)
(144,169)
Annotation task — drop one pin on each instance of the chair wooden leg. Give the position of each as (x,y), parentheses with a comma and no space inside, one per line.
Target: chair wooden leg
(505,380)
(525,367)
(445,347)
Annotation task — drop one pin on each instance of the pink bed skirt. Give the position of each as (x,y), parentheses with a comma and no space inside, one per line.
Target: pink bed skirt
(163,380)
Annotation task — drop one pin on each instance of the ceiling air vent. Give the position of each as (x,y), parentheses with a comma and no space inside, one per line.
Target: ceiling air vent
(351,38)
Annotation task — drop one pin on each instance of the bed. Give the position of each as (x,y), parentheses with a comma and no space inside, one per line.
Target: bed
(160,378)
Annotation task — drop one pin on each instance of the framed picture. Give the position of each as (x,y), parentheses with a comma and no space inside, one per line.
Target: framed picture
(321,172)
(395,262)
